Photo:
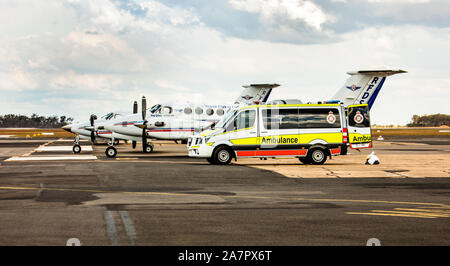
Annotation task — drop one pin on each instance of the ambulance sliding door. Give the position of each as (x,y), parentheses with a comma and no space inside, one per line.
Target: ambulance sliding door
(279,131)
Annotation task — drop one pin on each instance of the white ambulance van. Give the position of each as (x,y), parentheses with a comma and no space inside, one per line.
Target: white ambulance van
(310,132)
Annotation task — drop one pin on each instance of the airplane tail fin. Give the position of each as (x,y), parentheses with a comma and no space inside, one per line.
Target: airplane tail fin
(255,93)
(363,86)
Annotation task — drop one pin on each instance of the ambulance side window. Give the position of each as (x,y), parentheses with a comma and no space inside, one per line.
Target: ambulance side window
(359,116)
(319,118)
(280,118)
(243,120)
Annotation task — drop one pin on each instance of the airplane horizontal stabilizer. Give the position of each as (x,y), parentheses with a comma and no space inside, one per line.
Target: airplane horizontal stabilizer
(255,93)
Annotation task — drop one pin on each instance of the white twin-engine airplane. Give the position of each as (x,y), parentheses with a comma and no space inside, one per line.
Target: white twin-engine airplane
(179,122)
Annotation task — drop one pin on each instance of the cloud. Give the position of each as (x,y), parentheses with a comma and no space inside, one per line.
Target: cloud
(113,52)
(272,11)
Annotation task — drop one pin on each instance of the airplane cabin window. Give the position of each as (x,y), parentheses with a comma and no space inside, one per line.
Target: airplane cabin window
(220,111)
(188,110)
(199,110)
(166,110)
(209,111)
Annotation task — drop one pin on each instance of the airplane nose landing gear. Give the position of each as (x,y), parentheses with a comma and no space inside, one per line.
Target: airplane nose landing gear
(76,145)
(76,148)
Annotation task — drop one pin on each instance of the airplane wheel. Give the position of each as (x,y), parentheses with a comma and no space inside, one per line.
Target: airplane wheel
(149,149)
(116,142)
(317,156)
(76,148)
(304,160)
(111,152)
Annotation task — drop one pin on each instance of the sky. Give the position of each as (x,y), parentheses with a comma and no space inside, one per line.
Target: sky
(80,57)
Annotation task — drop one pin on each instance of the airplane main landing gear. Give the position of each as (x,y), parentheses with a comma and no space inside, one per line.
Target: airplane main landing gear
(148,148)
(111,152)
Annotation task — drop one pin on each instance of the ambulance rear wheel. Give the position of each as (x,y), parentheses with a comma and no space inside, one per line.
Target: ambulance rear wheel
(222,155)
(317,156)
(304,160)
(76,148)
(111,152)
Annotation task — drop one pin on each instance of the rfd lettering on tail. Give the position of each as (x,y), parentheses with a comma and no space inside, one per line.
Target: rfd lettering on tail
(369,88)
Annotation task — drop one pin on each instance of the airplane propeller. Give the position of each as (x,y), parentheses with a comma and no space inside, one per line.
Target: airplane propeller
(135,111)
(144,114)
(91,119)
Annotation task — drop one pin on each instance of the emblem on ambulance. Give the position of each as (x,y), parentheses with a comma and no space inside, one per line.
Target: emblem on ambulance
(359,118)
(331,118)
(247,97)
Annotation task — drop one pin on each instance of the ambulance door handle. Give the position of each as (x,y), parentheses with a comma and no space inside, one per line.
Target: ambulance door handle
(263,131)
(252,132)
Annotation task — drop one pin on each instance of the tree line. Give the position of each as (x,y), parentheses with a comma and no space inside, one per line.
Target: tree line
(35,121)
(435,120)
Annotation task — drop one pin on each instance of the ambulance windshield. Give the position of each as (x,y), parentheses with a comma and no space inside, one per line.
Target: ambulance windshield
(230,114)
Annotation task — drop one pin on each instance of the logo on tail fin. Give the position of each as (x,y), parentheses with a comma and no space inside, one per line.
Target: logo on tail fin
(353,87)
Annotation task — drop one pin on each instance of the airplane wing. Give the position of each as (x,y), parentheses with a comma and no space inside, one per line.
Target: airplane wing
(255,93)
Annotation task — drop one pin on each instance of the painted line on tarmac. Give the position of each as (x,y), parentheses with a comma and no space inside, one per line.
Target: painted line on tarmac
(111,229)
(62,148)
(51,158)
(129,228)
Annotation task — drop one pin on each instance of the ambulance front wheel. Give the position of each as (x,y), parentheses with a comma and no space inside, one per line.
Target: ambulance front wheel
(222,155)
(317,156)
(76,148)
(111,152)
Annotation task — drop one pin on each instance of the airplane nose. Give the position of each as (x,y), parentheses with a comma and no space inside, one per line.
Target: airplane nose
(67,128)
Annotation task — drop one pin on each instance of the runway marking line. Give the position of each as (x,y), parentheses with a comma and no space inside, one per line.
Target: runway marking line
(129,228)
(428,204)
(111,228)
(437,212)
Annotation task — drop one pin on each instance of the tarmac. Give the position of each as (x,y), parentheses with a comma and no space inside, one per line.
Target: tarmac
(49,195)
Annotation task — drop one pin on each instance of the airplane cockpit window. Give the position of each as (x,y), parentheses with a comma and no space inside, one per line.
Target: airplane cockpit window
(199,110)
(220,111)
(209,111)
(108,116)
(188,110)
(155,108)
(116,116)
